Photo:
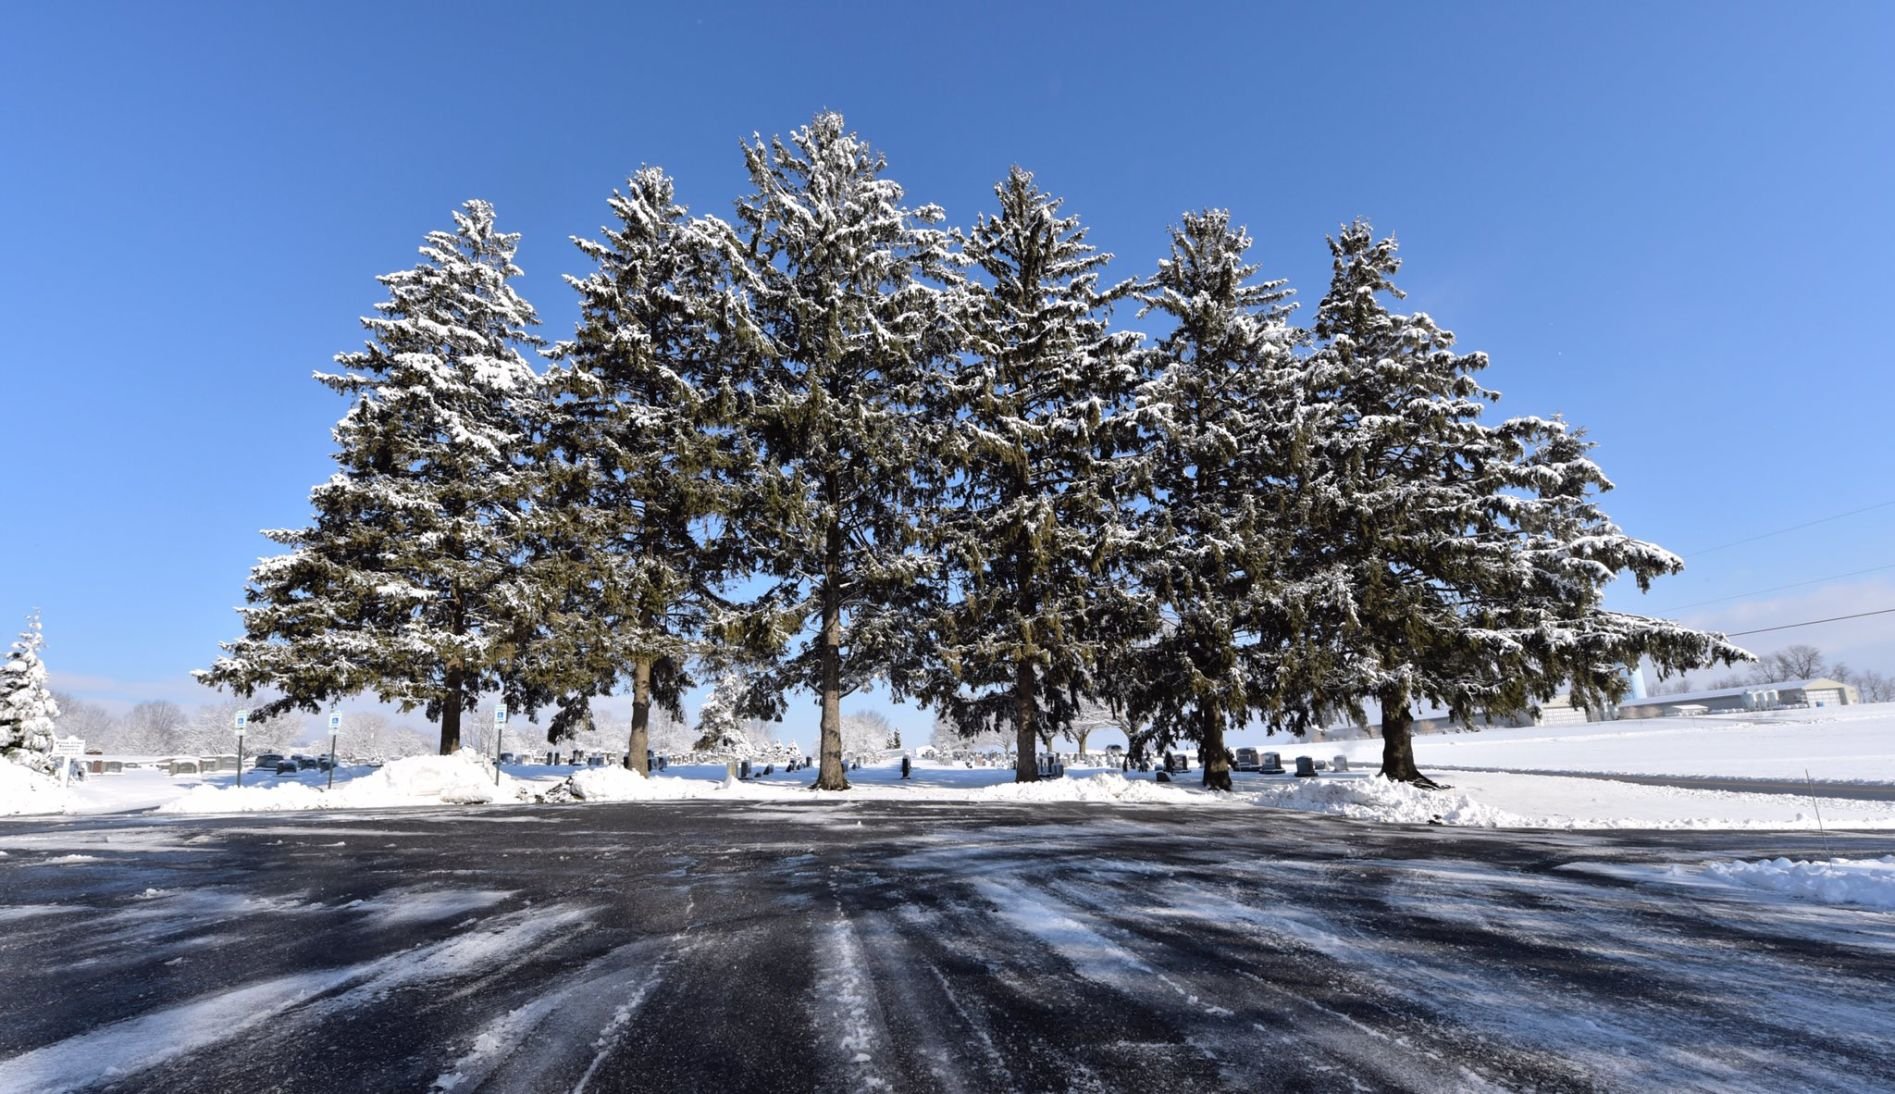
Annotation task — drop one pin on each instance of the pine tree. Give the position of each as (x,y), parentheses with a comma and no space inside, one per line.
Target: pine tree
(842,326)
(720,719)
(1449,560)
(1032,511)
(409,582)
(633,451)
(1220,425)
(27,707)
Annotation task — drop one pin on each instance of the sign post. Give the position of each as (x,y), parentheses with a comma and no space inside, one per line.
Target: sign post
(66,748)
(335,728)
(499,728)
(243,722)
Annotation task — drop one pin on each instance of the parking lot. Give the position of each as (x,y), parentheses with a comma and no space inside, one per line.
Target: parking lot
(913,947)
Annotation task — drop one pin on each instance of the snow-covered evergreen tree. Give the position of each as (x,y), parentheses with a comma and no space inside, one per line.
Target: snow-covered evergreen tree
(631,480)
(1220,421)
(841,332)
(720,720)
(408,582)
(1446,559)
(1032,509)
(27,706)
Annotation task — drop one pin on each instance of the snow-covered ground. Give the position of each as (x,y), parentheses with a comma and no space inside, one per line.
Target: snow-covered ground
(1863,882)
(1847,743)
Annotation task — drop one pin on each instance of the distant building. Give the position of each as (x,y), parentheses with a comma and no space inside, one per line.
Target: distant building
(1818,692)
(1557,711)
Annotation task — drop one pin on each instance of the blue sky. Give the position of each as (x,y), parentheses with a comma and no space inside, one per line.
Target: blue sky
(1668,222)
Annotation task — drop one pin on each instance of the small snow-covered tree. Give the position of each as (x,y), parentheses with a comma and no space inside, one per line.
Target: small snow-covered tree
(408,582)
(1031,514)
(27,706)
(839,336)
(1444,558)
(631,483)
(720,719)
(1220,420)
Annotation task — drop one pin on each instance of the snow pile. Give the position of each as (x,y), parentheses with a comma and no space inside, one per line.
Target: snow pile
(24,790)
(1869,882)
(617,783)
(465,778)
(1107,788)
(205,798)
(1379,799)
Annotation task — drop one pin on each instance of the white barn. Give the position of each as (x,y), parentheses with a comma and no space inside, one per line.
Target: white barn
(1816,692)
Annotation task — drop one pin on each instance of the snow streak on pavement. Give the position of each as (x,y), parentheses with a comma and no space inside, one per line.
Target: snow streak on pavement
(911,946)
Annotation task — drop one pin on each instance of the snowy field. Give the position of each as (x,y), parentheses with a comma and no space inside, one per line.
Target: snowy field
(1853,744)
(1845,744)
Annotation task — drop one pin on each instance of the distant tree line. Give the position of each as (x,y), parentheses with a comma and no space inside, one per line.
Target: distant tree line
(1796,662)
(831,441)
(159,727)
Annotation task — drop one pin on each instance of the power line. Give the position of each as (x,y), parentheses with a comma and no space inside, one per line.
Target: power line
(1791,528)
(1778,588)
(1809,623)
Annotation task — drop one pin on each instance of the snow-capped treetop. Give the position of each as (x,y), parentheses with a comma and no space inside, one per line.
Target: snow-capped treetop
(27,707)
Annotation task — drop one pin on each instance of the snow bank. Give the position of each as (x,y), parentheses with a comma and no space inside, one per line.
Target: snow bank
(1379,799)
(617,783)
(1106,788)
(1869,882)
(465,778)
(24,790)
(205,798)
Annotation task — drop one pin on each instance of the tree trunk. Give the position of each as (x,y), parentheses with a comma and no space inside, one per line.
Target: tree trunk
(1082,734)
(1212,754)
(451,713)
(1026,768)
(830,774)
(640,740)
(1398,746)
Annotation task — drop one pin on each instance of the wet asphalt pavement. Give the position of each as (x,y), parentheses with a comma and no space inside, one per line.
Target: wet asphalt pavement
(906,946)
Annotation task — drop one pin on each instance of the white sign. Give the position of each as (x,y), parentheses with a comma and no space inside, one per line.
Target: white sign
(500,716)
(243,719)
(335,722)
(69,746)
